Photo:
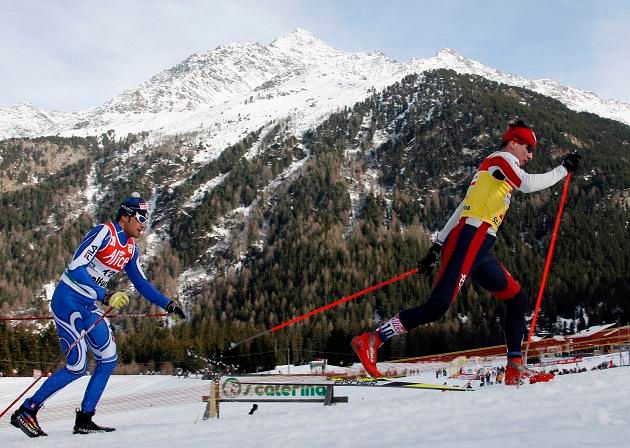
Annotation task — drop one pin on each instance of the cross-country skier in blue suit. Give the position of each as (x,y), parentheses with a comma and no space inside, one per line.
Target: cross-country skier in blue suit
(106,250)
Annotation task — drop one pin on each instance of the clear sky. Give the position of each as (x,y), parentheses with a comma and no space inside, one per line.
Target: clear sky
(73,54)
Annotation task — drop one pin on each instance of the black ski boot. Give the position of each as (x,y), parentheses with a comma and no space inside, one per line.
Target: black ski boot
(26,419)
(84,424)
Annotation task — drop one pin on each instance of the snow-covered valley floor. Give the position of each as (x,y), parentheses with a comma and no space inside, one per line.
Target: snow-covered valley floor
(584,409)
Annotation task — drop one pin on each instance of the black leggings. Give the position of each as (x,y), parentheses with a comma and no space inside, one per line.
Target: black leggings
(467,251)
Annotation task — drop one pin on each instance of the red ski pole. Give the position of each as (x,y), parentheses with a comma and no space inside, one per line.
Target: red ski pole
(64,355)
(543,281)
(325,307)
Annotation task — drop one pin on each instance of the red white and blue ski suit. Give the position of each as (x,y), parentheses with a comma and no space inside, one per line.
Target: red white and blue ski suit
(467,240)
(103,253)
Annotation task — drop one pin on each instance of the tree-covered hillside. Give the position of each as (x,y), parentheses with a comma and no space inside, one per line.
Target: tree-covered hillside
(345,206)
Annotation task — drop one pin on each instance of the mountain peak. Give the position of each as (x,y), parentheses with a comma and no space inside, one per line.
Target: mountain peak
(448,53)
(299,39)
(25,106)
(301,68)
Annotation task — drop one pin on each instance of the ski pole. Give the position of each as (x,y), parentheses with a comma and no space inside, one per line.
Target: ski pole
(139,315)
(543,281)
(63,355)
(114,316)
(325,307)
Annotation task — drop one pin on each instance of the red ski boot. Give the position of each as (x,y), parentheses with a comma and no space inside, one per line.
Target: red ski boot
(366,347)
(516,373)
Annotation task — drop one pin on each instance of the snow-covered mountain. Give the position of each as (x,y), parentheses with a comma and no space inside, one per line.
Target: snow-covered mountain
(24,119)
(575,99)
(224,93)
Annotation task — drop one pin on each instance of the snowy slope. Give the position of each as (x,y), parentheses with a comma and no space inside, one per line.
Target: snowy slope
(27,120)
(227,92)
(224,94)
(575,99)
(586,409)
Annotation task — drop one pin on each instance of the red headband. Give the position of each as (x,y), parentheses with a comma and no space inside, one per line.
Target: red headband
(521,135)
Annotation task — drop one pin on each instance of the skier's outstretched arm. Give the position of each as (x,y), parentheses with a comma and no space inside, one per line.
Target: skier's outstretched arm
(142,284)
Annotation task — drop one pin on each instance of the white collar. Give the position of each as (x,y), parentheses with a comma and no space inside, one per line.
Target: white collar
(509,157)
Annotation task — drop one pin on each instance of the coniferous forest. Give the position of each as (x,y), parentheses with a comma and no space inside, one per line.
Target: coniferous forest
(307,219)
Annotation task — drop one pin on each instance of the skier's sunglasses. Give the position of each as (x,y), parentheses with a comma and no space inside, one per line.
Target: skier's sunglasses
(141,218)
(530,148)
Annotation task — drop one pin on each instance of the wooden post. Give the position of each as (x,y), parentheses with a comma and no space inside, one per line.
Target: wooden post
(214,411)
(328,401)
(212,405)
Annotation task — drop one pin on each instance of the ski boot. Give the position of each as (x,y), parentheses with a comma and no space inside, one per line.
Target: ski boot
(26,419)
(366,347)
(516,373)
(84,424)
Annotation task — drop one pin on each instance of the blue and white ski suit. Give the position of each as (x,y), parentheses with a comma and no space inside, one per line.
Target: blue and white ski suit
(104,252)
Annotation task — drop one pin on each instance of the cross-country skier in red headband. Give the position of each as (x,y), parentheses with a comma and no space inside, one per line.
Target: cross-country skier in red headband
(464,247)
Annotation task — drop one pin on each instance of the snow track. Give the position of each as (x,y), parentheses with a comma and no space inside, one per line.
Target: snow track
(586,409)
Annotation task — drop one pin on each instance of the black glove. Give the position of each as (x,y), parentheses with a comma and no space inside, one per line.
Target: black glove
(174,308)
(572,162)
(429,261)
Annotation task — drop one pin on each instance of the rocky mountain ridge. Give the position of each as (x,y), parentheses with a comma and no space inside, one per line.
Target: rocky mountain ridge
(225,93)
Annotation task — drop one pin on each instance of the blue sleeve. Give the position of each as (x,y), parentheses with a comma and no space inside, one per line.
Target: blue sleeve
(136,275)
(95,240)
(80,276)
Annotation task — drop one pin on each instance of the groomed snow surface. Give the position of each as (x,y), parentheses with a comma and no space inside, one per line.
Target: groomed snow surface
(583,409)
